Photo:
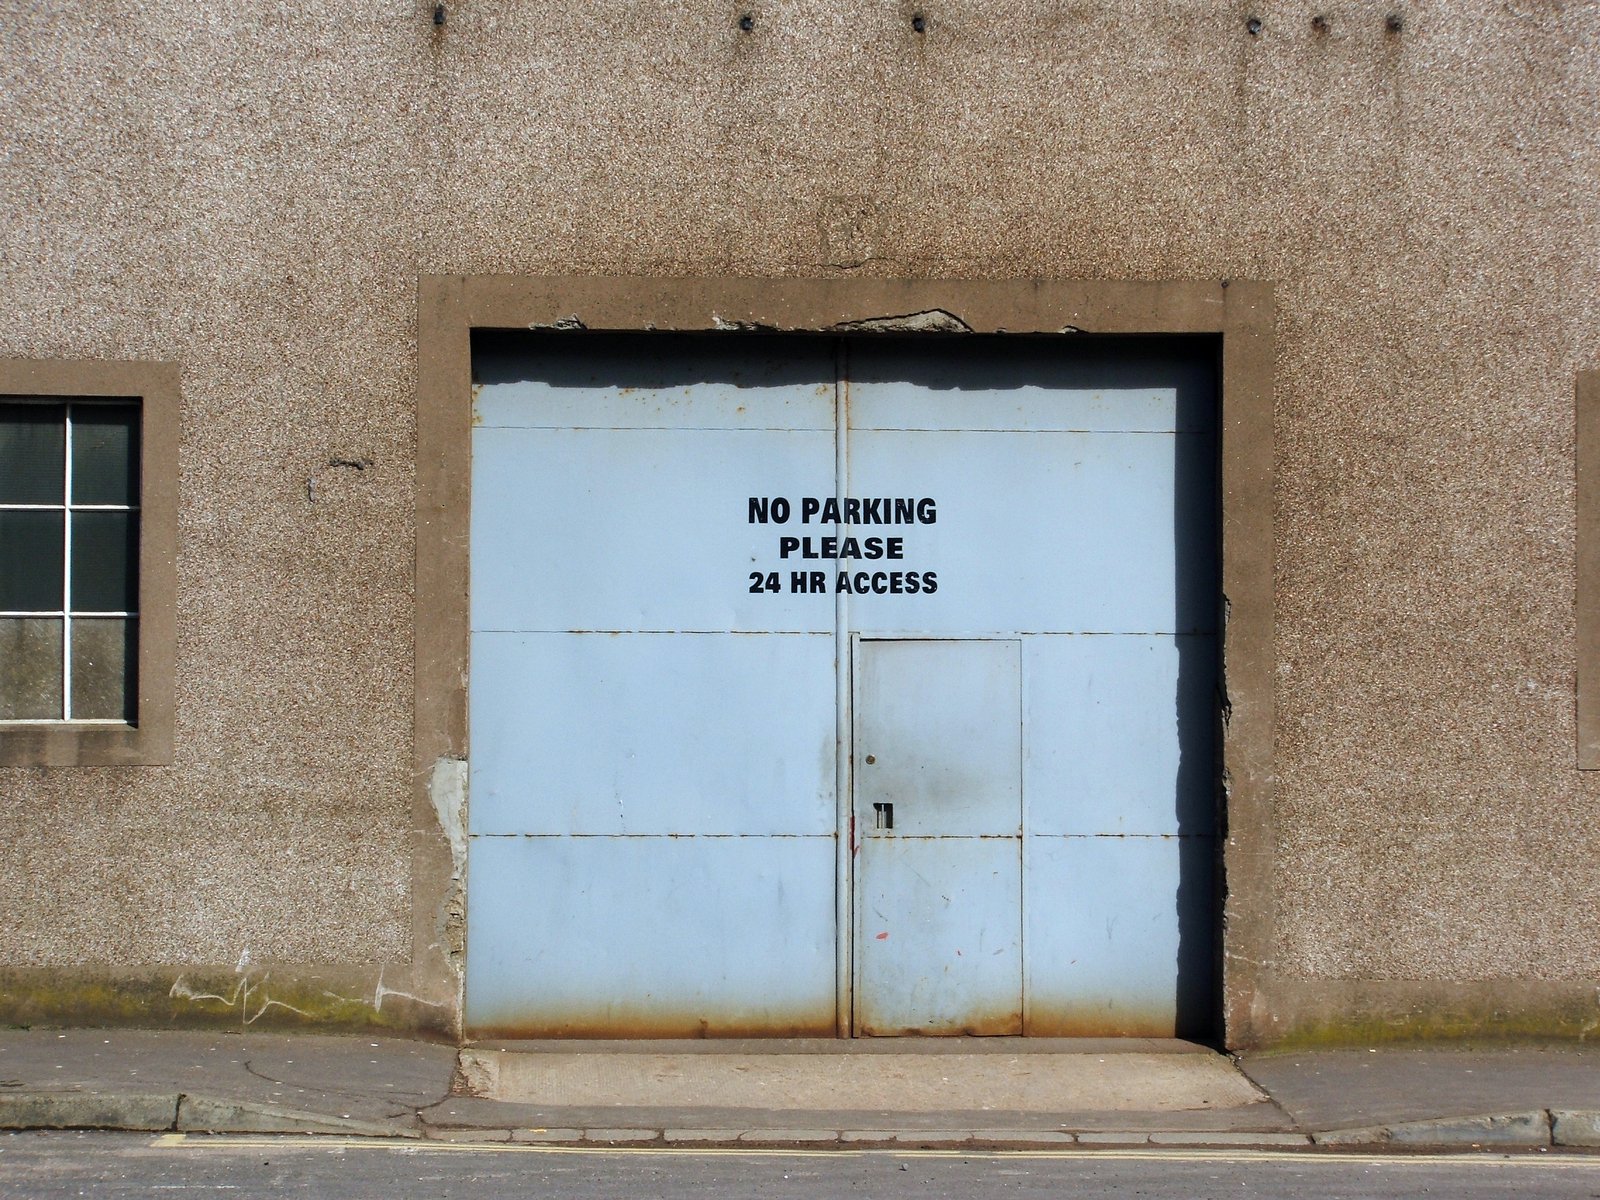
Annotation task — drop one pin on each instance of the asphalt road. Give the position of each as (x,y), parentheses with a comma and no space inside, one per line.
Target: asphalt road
(120,1165)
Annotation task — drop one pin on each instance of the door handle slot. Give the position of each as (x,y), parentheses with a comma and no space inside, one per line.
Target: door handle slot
(882,815)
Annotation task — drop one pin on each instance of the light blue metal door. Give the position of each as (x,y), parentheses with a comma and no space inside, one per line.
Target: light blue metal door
(1076,501)
(861,686)
(652,834)
(938,771)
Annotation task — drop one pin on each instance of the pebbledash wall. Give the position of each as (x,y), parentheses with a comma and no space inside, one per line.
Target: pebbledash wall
(1387,211)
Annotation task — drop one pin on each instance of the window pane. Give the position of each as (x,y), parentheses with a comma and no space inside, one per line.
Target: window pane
(105,462)
(30,561)
(30,669)
(32,449)
(105,556)
(104,661)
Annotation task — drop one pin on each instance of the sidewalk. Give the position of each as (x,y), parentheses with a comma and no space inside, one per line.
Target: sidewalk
(974,1093)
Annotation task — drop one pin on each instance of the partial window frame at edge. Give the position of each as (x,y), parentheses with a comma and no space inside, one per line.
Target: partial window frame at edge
(155,386)
(1586,599)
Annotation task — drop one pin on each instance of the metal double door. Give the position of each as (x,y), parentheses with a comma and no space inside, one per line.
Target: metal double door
(714,793)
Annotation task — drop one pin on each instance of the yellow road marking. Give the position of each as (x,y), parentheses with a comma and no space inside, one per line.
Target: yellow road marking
(1522,1158)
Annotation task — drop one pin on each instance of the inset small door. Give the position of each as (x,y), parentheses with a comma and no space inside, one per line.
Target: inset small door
(938,815)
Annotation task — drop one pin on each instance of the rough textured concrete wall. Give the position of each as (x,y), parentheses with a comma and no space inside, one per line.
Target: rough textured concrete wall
(226,187)
(252,189)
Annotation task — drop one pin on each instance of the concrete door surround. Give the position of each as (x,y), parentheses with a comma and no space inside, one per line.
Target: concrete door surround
(1238,313)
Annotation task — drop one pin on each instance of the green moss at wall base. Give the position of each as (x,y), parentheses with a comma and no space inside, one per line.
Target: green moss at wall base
(215,999)
(1441,1026)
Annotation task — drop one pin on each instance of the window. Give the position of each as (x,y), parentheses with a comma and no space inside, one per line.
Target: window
(87,507)
(69,560)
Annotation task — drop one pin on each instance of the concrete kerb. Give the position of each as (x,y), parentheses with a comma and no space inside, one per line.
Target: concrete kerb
(197,1114)
(982,1140)
(1523,1130)
(181,1112)
(1540,1128)
(789,1137)
(177,1112)
(141,1112)
(1575,1128)
(701,1137)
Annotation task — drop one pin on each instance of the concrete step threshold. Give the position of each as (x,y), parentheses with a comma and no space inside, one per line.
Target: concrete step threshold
(1013,1075)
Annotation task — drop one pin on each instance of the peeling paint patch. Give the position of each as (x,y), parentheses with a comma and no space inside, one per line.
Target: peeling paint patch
(934,320)
(448,791)
(724,325)
(567,324)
